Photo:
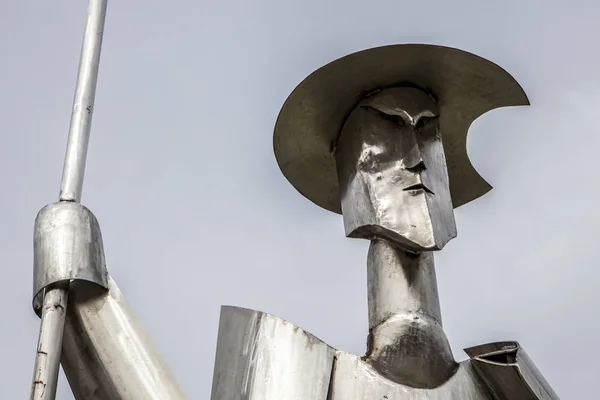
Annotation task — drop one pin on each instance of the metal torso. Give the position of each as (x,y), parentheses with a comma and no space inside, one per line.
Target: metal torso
(262,357)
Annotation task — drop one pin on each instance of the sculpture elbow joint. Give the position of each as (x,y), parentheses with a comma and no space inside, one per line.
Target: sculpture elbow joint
(67,247)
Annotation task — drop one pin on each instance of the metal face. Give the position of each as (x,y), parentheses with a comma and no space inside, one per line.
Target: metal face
(262,357)
(392,171)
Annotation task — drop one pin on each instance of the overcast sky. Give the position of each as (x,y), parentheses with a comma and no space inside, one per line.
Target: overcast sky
(195,212)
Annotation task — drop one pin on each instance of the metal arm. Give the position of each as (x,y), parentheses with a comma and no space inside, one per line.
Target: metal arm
(55,297)
(87,325)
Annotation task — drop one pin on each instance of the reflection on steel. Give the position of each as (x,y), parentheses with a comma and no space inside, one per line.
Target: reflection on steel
(67,245)
(464,85)
(45,375)
(506,379)
(107,355)
(52,324)
(264,357)
(392,171)
(380,136)
(509,372)
(406,342)
(105,352)
(355,379)
(83,103)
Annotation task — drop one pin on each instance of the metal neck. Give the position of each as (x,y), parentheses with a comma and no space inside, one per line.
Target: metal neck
(400,283)
(406,341)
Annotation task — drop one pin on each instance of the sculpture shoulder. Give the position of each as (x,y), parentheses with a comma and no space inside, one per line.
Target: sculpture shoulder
(354,378)
(262,357)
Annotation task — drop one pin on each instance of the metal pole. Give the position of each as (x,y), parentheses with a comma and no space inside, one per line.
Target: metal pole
(83,103)
(55,299)
(49,344)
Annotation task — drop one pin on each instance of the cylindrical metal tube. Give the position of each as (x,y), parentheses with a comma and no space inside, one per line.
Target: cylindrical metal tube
(83,103)
(406,341)
(107,354)
(47,362)
(53,319)
(400,283)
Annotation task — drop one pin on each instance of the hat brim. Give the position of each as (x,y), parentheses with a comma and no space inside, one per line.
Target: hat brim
(309,123)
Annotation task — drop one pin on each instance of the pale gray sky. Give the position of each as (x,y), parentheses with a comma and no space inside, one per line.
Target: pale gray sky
(196,214)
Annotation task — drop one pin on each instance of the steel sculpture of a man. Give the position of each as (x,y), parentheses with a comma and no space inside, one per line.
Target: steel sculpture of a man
(380,136)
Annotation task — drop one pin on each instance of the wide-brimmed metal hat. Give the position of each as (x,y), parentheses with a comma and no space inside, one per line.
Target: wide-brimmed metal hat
(464,85)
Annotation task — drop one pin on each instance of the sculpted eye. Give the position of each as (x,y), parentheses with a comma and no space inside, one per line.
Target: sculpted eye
(394,119)
(428,129)
(422,122)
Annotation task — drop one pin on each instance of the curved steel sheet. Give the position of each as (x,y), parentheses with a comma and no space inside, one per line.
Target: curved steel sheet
(355,379)
(509,372)
(67,246)
(262,357)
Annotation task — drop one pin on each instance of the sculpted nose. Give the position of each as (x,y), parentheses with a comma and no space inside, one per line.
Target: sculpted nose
(413,161)
(420,166)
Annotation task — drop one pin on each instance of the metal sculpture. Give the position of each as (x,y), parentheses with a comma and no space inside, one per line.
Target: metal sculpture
(86,324)
(380,137)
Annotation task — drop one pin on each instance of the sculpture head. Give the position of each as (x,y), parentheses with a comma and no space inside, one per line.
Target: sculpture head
(392,171)
(327,121)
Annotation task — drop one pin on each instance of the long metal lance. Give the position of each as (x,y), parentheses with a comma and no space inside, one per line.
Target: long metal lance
(54,307)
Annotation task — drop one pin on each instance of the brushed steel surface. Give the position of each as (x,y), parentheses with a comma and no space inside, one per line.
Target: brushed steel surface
(464,85)
(395,191)
(52,326)
(392,171)
(262,357)
(47,361)
(83,102)
(509,372)
(354,379)
(400,282)
(67,245)
(107,354)
(406,342)
(380,136)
